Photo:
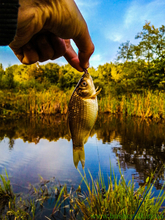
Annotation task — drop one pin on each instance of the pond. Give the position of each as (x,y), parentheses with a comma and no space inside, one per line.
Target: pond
(41,145)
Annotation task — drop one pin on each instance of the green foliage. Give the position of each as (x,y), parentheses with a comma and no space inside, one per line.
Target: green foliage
(120,200)
(68,77)
(51,71)
(143,68)
(8,78)
(6,192)
(125,51)
(148,55)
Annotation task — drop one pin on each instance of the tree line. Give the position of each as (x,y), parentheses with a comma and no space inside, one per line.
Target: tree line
(137,68)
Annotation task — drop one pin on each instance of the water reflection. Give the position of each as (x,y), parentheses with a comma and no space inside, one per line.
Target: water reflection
(138,144)
(142,144)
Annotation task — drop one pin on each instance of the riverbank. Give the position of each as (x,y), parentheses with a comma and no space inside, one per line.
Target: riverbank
(54,101)
(119,201)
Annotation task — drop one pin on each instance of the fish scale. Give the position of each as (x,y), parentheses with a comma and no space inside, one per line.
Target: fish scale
(82,116)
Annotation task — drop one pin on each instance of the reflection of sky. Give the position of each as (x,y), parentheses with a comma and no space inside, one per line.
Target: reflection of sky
(26,161)
(54,159)
(48,159)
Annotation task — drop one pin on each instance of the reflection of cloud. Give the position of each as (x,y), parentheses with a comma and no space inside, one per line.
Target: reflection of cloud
(27,160)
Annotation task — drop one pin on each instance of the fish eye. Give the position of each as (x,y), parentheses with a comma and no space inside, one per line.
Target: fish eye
(83,83)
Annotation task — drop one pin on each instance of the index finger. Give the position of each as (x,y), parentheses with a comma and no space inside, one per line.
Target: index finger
(85,46)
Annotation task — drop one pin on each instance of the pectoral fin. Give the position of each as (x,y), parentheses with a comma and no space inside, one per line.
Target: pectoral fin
(97,92)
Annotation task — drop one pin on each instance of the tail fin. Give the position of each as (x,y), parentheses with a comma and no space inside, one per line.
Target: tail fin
(79,155)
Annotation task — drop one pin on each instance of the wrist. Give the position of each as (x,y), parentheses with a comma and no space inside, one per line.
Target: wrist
(8,17)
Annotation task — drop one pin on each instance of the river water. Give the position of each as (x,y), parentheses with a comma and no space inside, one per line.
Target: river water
(41,145)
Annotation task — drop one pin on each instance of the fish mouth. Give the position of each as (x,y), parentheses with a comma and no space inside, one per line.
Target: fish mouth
(85,71)
(85,74)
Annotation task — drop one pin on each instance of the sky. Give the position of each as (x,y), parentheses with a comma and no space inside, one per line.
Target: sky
(110,23)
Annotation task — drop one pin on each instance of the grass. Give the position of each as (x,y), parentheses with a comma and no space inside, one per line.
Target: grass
(148,105)
(42,102)
(6,192)
(119,201)
(52,101)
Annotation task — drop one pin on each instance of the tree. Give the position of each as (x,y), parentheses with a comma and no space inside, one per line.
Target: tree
(125,52)
(148,42)
(9,77)
(152,48)
(1,74)
(51,71)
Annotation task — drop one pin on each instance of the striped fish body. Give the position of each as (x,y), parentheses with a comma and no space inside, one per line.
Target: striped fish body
(82,114)
(82,117)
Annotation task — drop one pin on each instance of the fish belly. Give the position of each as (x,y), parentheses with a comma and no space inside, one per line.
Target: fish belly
(82,117)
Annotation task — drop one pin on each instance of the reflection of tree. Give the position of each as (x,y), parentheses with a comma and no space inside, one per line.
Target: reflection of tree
(11,143)
(32,129)
(142,142)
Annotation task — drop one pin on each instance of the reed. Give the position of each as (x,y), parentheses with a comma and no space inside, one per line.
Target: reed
(146,105)
(52,101)
(119,200)
(46,102)
(6,192)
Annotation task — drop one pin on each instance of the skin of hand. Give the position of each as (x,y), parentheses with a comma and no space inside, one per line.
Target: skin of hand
(44,30)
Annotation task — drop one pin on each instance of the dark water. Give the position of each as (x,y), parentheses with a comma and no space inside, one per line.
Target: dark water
(42,146)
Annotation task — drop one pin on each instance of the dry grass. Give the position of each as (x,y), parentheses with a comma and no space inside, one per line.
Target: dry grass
(52,101)
(149,105)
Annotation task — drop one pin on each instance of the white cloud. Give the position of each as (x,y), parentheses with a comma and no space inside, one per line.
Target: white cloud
(138,13)
(134,19)
(116,37)
(96,60)
(88,7)
(87,3)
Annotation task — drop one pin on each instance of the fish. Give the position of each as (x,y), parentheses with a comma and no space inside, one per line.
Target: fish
(82,115)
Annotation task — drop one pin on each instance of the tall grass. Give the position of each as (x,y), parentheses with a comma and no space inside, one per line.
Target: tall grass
(52,101)
(147,105)
(119,200)
(6,192)
(35,102)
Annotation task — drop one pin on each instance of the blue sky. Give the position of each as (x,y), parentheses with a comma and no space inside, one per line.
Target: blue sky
(110,23)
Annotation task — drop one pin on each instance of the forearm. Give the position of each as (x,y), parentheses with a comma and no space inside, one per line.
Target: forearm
(8,20)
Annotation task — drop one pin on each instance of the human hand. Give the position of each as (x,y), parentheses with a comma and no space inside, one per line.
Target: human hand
(44,29)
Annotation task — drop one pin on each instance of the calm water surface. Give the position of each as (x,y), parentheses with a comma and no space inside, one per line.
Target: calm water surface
(35,146)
